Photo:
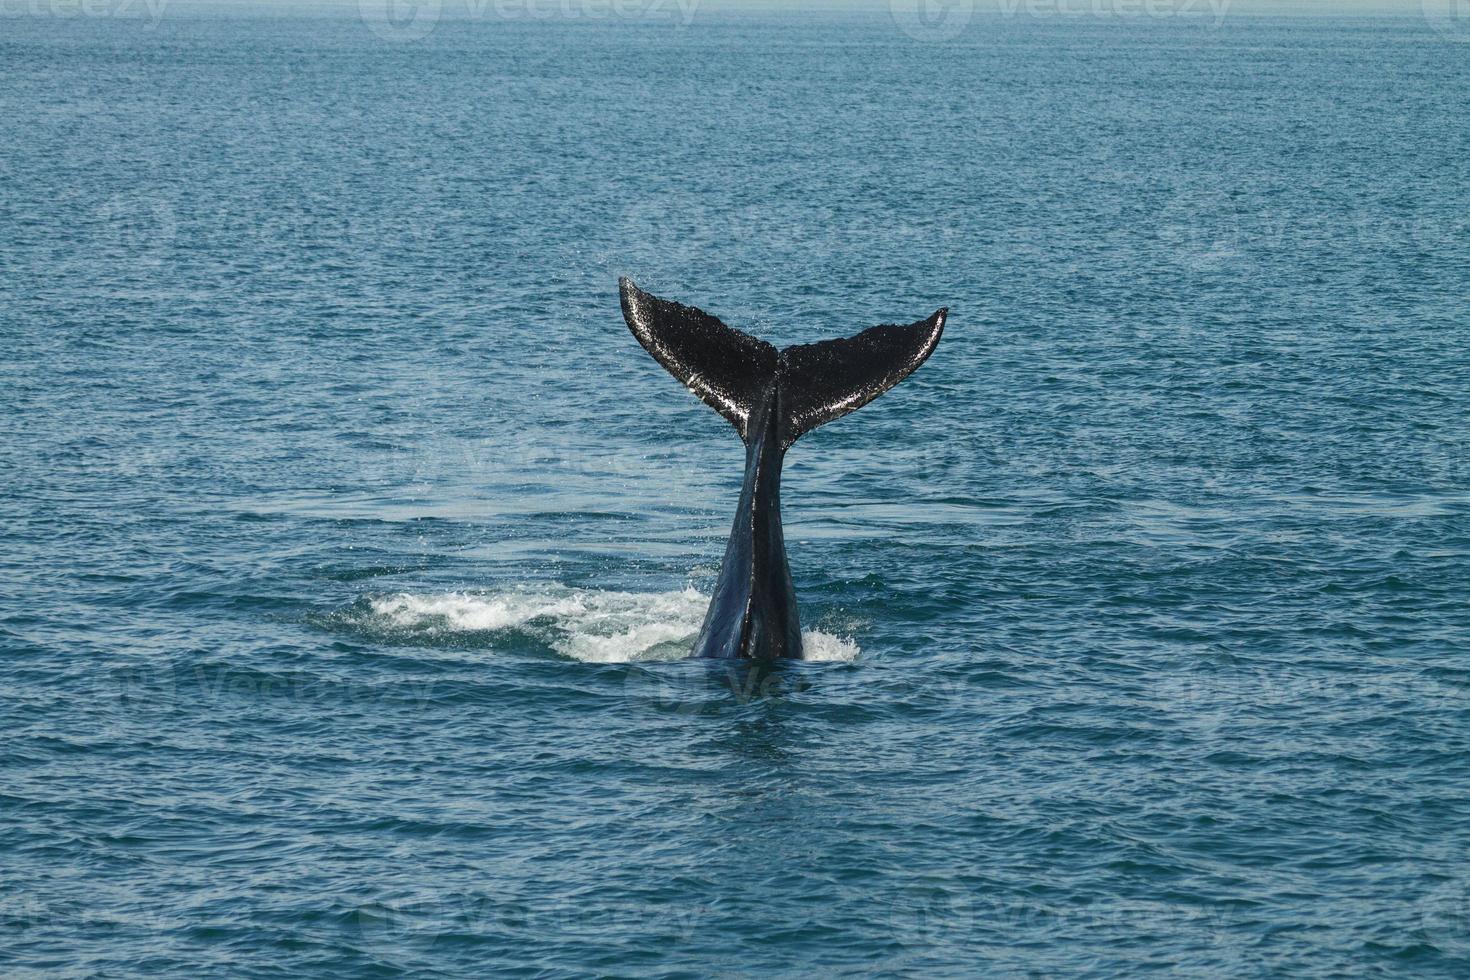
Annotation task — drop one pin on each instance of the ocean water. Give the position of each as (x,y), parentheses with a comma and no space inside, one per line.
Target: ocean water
(350,546)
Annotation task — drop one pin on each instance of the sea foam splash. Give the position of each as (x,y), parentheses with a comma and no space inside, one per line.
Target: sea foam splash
(590,625)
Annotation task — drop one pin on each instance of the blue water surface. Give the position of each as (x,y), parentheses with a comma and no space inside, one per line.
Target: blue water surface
(350,544)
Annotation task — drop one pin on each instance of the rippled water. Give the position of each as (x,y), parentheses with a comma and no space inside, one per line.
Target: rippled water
(351,544)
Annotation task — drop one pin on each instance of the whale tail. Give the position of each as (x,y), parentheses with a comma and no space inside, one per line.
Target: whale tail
(730,370)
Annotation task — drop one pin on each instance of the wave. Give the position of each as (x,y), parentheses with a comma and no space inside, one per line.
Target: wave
(590,625)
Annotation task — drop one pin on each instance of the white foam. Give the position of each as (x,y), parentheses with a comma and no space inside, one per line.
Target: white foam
(827,646)
(590,625)
(457,612)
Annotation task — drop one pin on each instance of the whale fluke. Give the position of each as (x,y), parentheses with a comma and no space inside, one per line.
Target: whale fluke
(729,370)
(825,381)
(772,398)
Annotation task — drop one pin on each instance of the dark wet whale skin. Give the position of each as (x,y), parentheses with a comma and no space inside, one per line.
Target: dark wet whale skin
(772,398)
(753,611)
